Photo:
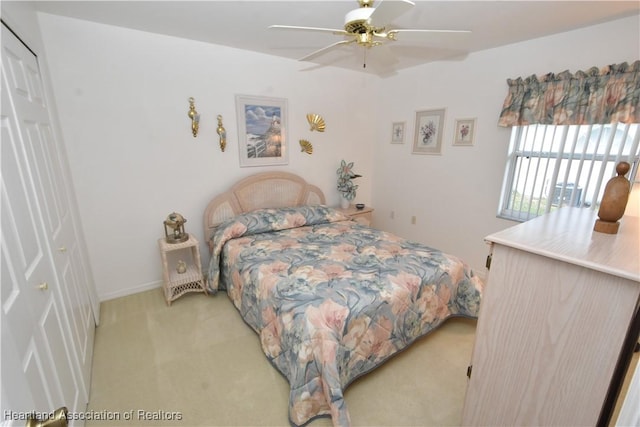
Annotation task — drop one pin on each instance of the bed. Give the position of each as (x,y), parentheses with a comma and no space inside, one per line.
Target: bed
(330,299)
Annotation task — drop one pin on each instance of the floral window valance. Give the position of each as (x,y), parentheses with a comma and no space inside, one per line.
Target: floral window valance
(609,95)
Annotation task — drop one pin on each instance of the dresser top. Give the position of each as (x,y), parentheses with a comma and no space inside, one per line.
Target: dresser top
(567,234)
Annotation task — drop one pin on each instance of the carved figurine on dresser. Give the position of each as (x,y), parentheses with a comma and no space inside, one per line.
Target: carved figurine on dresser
(614,201)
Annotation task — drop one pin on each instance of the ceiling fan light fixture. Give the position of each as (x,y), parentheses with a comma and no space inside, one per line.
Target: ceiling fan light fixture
(367,39)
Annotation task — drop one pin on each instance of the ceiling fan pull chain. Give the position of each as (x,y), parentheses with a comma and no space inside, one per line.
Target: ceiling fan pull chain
(364,60)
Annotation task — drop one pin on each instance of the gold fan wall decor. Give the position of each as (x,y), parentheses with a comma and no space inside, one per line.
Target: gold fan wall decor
(316,122)
(306,146)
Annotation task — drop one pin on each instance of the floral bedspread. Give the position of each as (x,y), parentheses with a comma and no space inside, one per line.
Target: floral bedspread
(332,299)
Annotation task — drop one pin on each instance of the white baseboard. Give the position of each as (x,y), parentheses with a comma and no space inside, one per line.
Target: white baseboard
(130,291)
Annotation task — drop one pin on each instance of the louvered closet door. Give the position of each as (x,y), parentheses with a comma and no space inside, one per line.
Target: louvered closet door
(41,367)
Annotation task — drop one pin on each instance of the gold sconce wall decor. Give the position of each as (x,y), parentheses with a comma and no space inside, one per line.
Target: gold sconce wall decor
(222,133)
(194,116)
(316,122)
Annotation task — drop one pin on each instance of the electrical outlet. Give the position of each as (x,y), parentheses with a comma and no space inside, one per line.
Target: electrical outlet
(413,219)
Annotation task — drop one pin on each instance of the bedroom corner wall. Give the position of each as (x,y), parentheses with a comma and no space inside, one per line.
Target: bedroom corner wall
(455,195)
(122,97)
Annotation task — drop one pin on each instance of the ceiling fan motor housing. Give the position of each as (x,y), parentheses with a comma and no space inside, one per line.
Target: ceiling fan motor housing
(357,21)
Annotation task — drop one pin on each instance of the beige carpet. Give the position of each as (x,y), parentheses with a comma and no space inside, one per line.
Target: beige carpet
(198,363)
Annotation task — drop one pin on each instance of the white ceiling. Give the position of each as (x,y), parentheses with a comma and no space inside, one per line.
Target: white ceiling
(244,25)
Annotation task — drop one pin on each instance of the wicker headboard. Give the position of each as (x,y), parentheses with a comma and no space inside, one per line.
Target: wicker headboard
(262,190)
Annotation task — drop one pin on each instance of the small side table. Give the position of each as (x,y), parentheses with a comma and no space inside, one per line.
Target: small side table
(362,216)
(192,280)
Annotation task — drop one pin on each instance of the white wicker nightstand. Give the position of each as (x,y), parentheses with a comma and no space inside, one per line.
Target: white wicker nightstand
(177,284)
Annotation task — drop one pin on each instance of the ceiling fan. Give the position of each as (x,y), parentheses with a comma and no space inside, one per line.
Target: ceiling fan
(368,26)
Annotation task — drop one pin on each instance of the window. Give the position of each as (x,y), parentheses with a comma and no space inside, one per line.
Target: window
(552,166)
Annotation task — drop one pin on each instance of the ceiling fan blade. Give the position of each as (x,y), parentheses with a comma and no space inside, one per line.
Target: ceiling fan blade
(324,30)
(383,55)
(387,11)
(325,49)
(458,38)
(426,31)
(429,54)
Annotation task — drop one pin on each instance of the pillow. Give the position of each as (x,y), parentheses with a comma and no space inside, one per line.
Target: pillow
(274,219)
(263,221)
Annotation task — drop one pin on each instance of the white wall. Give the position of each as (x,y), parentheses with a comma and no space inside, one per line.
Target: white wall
(455,195)
(122,96)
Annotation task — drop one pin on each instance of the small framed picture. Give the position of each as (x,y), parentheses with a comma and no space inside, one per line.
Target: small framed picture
(464,132)
(428,132)
(397,133)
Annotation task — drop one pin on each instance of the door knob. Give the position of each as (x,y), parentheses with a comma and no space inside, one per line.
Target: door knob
(43,286)
(58,419)
(62,249)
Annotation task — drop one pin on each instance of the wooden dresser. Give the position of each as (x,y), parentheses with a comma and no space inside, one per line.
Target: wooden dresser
(552,337)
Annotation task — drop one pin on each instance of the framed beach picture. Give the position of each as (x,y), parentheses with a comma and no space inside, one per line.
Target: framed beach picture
(428,132)
(262,131)
(397,133)
(464,132)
